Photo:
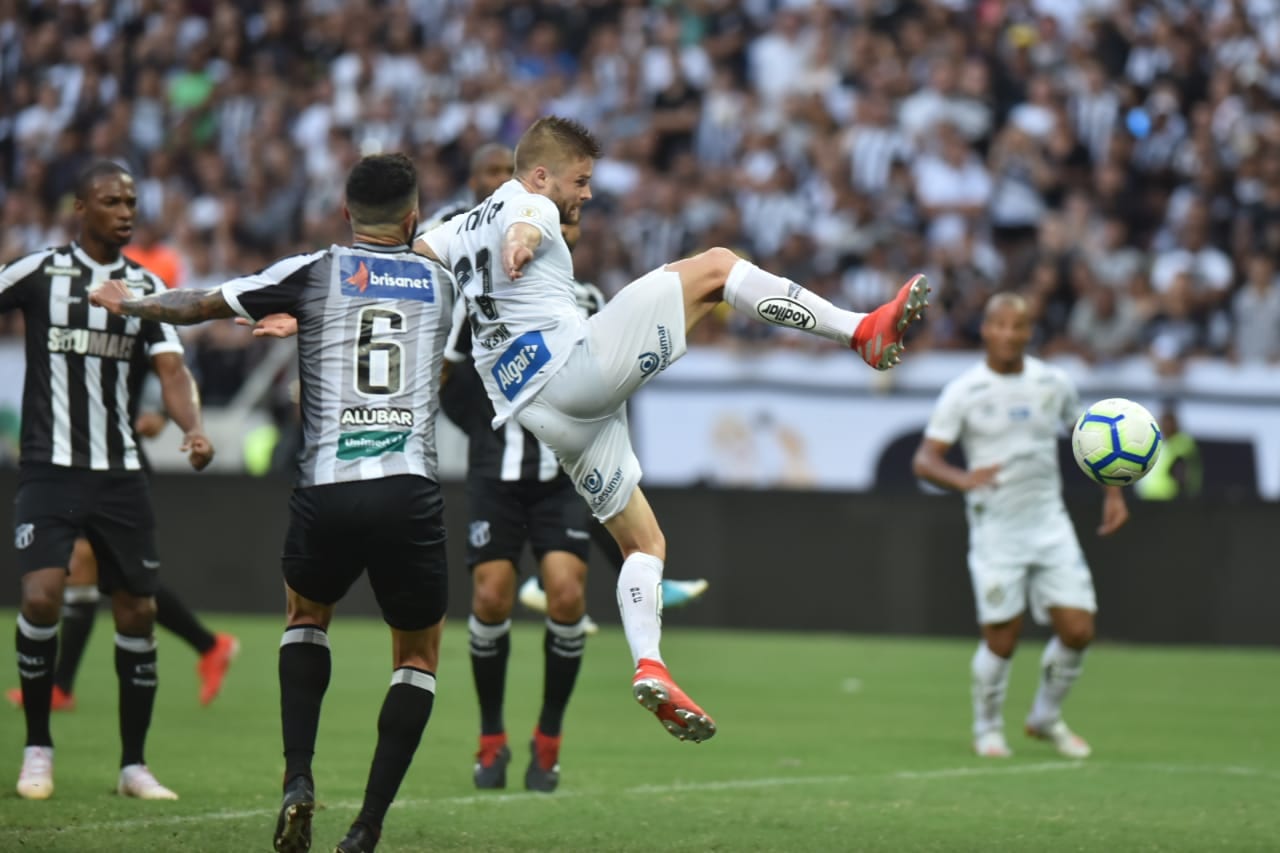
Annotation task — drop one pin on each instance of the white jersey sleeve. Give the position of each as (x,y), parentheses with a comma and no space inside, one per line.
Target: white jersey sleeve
(947,421)
(536,210)
(440,240)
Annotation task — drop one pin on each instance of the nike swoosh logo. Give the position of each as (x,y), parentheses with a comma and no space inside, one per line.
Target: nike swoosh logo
(151,564)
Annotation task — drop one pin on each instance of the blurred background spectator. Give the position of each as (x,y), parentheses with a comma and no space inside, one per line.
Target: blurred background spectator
(1118,161)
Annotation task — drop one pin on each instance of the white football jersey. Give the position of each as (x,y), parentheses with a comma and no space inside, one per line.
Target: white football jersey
(523,330)
(1014,421)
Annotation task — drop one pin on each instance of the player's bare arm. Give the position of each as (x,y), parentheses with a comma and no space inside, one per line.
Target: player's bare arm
(179,307)
(1115,511)
(182,402)
(930,464)
(518,247)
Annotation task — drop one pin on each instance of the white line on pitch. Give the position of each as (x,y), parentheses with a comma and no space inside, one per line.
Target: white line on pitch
(644,790)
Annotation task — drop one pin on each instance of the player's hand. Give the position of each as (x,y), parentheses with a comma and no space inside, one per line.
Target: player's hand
(1115,512)
(111,295)
(980,477)
(199,449)
(149,424)
(272,326)
(514,257)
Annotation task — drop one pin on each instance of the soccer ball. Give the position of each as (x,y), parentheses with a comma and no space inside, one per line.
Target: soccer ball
(1116,442)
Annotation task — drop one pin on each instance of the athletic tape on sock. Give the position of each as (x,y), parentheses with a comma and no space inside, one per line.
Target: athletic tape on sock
(305,634)
(485,631)
(39,633)
(81,595)
(414,678)
(137,645)
(568,632)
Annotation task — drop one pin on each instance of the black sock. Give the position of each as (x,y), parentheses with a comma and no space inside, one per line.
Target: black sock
(490,649)
(562,647)
(404,716)
(136,670)
(305,666)
(37,647)
(78,614)
(173,616)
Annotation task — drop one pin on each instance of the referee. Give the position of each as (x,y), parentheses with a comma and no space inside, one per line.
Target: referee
(80,471)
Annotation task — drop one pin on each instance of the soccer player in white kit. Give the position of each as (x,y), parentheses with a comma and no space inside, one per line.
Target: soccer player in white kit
(567,379)
(1007,413)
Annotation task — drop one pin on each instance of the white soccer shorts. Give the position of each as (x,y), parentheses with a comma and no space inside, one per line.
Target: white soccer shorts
(581,412)
(1048,571)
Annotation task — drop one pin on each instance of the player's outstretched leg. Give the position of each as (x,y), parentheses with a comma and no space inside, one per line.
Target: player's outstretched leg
(877,337)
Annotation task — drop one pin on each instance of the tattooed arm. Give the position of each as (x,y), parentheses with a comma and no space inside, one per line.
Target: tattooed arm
(180,307)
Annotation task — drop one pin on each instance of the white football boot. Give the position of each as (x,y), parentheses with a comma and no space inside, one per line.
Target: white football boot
(136,781)
(35,782)
(1068,743)
(991,744)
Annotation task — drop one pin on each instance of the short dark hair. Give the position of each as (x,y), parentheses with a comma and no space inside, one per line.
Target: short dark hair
(381,189)
(95,170)
(553,141)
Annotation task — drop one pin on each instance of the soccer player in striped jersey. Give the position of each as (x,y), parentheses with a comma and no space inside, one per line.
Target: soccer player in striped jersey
(1007,412)
(372,320)
(81,472)
(567,379)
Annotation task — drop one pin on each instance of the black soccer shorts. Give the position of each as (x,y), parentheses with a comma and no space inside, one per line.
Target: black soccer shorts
(392,527)
(550,515)
(112,509)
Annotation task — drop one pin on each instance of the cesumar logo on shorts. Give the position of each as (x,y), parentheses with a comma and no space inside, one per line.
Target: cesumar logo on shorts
(786,312)
(660,360)
(385,278)
(521,361)
(478,534)
(599,490)
(23,536)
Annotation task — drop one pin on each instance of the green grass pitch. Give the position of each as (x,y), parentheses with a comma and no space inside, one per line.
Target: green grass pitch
(826,743)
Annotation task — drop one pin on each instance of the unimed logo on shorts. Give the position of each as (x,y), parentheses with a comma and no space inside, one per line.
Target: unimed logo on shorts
(357,445)
(385,278)
(524,358)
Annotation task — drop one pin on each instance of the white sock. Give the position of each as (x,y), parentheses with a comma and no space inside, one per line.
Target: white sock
(990,682)
(1059,668)
(782,302)
(640,602)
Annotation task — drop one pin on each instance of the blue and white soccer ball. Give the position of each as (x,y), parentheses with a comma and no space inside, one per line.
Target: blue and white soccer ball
(1116,442)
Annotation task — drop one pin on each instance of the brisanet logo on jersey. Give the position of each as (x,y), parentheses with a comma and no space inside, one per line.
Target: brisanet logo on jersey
(524,358)
(385,278)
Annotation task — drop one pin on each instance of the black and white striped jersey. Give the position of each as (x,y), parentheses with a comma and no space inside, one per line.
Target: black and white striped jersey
(372,323)
(85,366)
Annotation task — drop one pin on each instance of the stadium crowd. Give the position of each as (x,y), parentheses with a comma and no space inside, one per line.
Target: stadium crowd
(1117,161)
